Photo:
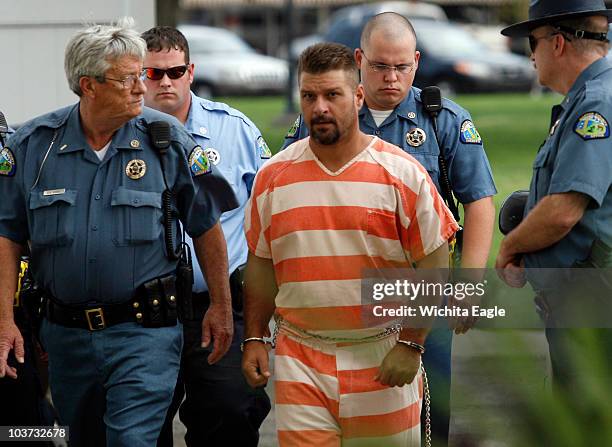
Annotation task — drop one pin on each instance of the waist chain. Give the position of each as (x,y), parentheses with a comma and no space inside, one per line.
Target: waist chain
(284,325)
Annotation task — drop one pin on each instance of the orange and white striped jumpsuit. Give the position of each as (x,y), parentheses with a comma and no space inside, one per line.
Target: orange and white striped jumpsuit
(322,229)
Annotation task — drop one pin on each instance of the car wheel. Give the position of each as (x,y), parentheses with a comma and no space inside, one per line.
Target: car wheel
(203,90)
(447,88)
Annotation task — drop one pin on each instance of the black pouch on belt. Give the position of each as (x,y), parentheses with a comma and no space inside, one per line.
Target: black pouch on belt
(159,302)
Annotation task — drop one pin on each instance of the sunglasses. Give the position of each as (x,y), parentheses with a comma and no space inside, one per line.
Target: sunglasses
(533,41)
(155,74)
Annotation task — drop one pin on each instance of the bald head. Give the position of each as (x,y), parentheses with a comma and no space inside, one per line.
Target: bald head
(391,26)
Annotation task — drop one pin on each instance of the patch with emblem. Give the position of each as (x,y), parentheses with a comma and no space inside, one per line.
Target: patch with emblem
(198,162)
(294,129)
(136,169)
(7,162)
(416,137)
(469,134)
(213,155)
(592,126)
(264,150)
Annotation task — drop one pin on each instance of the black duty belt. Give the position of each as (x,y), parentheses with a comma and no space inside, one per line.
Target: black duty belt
(92,318)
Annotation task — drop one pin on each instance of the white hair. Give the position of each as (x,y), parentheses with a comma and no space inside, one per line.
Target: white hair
(90,51)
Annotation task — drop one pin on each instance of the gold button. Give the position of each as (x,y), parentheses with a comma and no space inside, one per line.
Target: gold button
(155,302)
(172,298)
(139,316)
(136,305)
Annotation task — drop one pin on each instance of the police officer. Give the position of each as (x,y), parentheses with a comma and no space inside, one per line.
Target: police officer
(569,207)
(94,187)
(25,390)
(220,408)
(393,110)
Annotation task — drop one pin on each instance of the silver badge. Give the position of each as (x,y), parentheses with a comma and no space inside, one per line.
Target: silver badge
(213,155)
(411,115)
(135,143)
(416,137)
(136,169)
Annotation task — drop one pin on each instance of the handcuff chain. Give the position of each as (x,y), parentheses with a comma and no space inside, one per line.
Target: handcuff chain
(387,332)
(427,407)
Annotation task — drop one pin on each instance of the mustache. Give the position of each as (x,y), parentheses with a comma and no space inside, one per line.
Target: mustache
(322,120)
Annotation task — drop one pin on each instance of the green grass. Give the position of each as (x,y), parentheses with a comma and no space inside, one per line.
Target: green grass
(512,127)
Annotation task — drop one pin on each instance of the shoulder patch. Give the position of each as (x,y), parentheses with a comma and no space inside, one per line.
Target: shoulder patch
(295,128)
(198,162)
(592,126)
(469,134)
(262,146)
(7,162)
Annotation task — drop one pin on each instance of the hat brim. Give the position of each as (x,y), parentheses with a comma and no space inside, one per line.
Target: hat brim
(522,29)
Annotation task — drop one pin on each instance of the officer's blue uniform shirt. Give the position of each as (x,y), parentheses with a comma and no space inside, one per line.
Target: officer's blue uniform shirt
(577,156)
(9,132)
(411,128)
(235,146)
(95,227)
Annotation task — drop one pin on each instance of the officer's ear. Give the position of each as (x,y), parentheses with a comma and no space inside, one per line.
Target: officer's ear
(359,96)
(88,86)
(358,57)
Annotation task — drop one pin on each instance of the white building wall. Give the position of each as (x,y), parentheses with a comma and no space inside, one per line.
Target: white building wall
(33,36)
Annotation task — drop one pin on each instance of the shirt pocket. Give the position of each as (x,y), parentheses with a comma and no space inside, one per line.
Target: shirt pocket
(53,218)
(382,237)
(541,174)
(137,216)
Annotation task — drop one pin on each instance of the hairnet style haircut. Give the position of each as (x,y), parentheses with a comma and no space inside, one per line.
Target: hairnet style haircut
(91,51)
(166,38)
(326,56)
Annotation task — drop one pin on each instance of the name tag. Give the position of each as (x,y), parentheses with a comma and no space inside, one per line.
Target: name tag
(54,192)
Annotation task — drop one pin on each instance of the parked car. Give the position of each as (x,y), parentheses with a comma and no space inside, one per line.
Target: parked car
(451,57)
(227,65)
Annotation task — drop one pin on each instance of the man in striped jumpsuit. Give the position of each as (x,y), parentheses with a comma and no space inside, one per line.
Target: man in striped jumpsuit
(321,212)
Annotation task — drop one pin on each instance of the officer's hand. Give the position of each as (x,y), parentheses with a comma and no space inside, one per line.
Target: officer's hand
(399,367)
(217,325)
(255,364)
(10,338)
(511,270)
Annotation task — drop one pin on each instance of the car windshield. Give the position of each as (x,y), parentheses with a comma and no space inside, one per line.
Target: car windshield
(219,43)
(447,40)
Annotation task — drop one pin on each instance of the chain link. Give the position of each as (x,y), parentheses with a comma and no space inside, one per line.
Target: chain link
(384,334)
(427,407)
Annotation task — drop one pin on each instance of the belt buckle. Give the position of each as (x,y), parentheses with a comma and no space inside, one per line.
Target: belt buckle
(97,314)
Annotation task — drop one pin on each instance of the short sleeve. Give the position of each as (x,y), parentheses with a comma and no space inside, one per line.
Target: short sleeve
(468,166)
(584,159)
(13,210)
(203,193)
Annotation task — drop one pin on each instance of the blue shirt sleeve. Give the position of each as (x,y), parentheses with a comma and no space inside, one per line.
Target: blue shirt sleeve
(469,170)
(202,196)
(13,215)
(584,160)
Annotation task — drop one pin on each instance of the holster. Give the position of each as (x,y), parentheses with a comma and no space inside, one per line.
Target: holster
(157,306)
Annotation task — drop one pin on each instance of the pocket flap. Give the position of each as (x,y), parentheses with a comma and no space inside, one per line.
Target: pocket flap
(39,199)
(131,197)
